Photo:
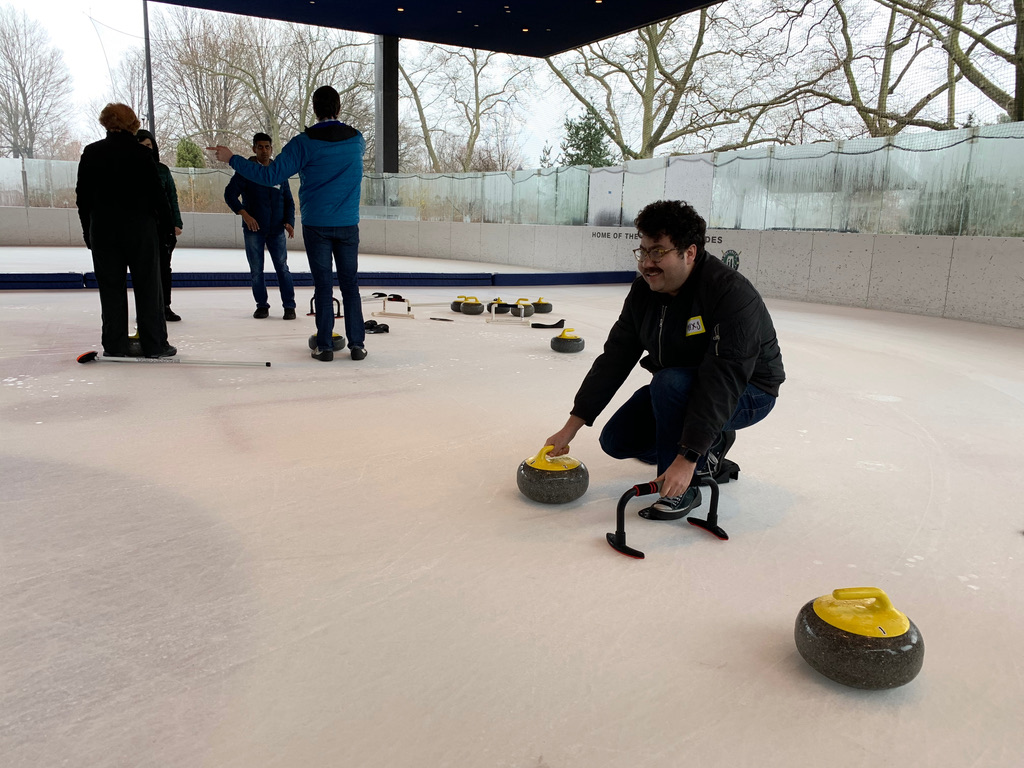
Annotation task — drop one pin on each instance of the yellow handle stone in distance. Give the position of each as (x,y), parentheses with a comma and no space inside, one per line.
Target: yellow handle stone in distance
(863,611)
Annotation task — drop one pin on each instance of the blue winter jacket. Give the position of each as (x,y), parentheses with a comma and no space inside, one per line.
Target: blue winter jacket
(328,157)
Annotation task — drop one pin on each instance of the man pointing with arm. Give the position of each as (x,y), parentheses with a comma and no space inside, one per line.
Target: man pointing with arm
(328,157)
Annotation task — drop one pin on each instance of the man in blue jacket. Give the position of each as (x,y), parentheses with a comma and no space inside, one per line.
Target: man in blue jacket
(267,214)
(328,157)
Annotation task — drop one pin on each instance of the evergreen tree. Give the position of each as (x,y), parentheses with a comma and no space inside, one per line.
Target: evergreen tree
(545,157)
(189,155)
(585,143)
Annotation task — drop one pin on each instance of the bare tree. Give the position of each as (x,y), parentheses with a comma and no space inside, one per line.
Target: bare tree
(128,84)
(984,40)
(463,97)
(701,81)
(863,72)
(201,104)
(35,88)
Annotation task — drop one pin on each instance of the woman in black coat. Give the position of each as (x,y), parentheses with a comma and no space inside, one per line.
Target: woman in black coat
(168,239)
(123,211)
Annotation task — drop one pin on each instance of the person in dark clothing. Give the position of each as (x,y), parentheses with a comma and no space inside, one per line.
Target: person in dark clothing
(168,239)
(267,214)
(123,210)
(328,157)
(712,350)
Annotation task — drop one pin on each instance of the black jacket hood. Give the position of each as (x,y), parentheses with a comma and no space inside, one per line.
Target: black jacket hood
(332,131)
(141,134)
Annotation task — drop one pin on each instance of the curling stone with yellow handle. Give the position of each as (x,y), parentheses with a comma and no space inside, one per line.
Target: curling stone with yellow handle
(567,341)
(522,308)
(856,637)
(472,306)
(554,480)
(457,304)
(542,307)
(498,306)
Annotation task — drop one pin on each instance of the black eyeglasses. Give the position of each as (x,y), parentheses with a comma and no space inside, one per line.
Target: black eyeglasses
(654,254)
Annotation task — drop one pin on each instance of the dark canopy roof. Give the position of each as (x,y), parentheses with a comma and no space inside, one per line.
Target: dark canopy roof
(494,25)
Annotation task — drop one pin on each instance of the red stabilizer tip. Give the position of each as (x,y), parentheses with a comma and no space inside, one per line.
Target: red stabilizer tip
(87,357)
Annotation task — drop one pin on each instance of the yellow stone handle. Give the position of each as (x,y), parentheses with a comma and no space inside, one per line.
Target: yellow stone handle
(523,301)
(559,464)
(882,602)
(568,334)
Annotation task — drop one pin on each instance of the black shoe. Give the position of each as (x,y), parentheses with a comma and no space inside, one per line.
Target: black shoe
(358,353)
(170,316)
(323,355)
(114,354)
(167,351)
(716,454)
(289,313)
(673,507)
(261,312)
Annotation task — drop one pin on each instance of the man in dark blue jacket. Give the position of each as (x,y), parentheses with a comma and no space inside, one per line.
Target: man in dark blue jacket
(267,214)
(328,157)
(711,348)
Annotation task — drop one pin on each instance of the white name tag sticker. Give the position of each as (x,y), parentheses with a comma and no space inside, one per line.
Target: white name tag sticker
(694,326)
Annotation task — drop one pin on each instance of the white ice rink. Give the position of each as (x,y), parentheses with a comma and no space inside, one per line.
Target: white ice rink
(330,564)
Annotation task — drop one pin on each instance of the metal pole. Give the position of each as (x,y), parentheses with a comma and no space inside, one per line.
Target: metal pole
(149,67)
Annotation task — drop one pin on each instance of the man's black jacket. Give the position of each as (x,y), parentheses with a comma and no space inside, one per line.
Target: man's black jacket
(717,323)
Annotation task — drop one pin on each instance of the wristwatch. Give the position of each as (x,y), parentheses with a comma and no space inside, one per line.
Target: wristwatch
(689,454)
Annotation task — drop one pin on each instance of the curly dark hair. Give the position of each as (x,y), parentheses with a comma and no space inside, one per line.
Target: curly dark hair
(675,218)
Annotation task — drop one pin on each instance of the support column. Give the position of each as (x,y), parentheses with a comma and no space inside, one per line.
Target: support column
(386,103)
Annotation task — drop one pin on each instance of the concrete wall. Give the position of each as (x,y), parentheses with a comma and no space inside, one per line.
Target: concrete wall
(967,278)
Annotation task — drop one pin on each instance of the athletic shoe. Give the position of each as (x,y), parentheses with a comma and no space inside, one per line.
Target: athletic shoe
(323,355)
(170,316)
(717,452)
(167,351)
(261,312)
(289,313)
(673,507)
(358,353)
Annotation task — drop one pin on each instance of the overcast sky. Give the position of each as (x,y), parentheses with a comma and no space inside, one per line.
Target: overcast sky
(95,33)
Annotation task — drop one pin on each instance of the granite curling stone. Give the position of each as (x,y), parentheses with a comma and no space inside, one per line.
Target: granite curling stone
(337,339)
(567,341)
(554,480)
(472,306)
(856,637)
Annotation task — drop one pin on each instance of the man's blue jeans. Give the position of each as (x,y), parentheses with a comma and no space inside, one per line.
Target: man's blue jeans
(325,248)
(254,243)
(649,424)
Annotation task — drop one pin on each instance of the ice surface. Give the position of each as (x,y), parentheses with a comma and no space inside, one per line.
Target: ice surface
(330,564)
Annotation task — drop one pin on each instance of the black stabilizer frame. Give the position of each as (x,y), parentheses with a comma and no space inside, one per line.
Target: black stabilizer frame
(711,523)
(312,309)
(617,540)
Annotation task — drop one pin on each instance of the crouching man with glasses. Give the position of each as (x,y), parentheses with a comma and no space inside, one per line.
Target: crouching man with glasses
(710,345)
